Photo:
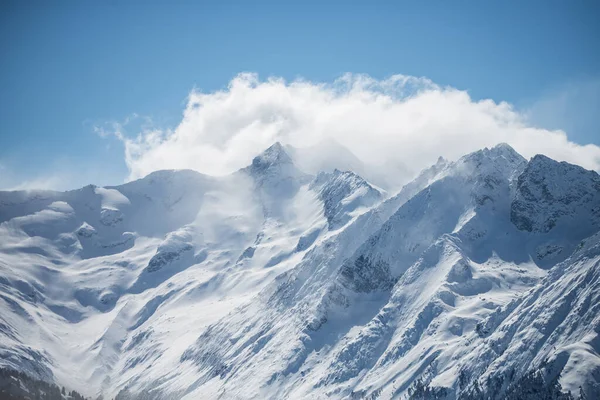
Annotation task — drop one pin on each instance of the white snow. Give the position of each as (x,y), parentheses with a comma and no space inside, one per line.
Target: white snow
(275,283)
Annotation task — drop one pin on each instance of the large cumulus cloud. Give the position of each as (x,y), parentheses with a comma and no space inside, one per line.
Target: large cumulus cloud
(401,120)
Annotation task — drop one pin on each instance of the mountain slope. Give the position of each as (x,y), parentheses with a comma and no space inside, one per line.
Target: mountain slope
(93,279)
(274,283)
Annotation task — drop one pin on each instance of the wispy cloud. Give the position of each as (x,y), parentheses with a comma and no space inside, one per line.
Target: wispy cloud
(118,128)
(62,174)
(10,180)
(42,183)
(400,119)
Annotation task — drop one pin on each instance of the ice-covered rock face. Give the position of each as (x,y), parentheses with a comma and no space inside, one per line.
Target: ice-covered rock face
(478,183)
(274,162)
(275,174)
(273,156)
(172,255)
(491,175)
(342,193)
(499,162)
(556,195)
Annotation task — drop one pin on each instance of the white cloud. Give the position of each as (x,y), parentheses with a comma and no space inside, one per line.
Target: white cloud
(399,120)
(61,174)
(52,182)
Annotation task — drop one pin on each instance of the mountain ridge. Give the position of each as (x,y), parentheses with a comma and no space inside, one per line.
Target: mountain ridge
(277,283)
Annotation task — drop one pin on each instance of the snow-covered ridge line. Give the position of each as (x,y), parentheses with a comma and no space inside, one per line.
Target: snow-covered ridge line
(479,278)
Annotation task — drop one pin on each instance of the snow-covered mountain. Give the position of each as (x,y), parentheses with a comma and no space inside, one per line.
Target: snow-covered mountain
(479,279)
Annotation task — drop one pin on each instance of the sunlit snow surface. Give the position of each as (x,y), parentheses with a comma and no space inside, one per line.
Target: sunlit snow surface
(274,283)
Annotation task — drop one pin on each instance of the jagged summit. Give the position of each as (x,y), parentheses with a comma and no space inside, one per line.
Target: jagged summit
(506,151)
(275,174)
(499,162)
(342,192)
(350,175)
(273,156)
(501,150)
(551,193)
(504,147)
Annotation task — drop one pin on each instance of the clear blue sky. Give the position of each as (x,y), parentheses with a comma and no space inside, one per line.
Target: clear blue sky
(66,65)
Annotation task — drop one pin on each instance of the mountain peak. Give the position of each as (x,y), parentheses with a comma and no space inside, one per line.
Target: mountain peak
(275,154)
(275,171)
(501,159)
(541,164)
(540,159)
(550,191)
(503,146)
(506,151)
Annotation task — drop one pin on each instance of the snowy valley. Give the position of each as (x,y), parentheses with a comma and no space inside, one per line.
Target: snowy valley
(479,279)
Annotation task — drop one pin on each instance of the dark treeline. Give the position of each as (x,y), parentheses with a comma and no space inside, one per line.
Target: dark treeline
(19,386)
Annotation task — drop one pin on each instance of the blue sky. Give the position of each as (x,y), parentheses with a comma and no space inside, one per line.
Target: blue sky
(69,66)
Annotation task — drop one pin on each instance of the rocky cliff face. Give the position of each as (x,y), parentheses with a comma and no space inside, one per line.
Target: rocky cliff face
(551,193)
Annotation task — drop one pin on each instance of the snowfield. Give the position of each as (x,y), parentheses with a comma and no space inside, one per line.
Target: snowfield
(291,279)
